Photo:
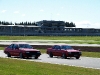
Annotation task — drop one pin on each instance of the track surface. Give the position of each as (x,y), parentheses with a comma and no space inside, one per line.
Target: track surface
(86,62)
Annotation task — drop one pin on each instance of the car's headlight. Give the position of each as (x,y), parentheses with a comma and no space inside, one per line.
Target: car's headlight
(27,52)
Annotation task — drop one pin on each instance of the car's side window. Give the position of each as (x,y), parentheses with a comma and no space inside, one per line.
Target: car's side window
(12,46)
(66,47)
(21,45)
(57,48)
(62,47)
(54,47)
(15,46)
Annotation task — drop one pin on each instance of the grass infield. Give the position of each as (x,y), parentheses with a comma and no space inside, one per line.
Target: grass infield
(96,38)
(23,67)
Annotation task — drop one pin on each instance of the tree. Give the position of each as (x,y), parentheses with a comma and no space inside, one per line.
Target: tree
(21,23)
(25,23)
(34,23)
(70,24)
(67,24)
(29,23)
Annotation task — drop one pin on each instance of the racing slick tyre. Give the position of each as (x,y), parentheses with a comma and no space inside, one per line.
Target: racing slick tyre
(64,56)
(77,57)
(8,54)
(36,57)
(50,55)
(21,55)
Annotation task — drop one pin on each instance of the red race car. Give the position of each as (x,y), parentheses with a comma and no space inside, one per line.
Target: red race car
(21,50)
(63,51)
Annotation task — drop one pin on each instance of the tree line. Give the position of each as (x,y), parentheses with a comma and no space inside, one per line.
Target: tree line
(71,24)
(5,23)
(20,23)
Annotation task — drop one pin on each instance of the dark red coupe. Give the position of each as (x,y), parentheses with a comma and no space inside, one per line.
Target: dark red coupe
(63,51)
(21,50)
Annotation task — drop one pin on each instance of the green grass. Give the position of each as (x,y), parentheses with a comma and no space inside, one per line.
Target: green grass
(96,38)
(85,39)
(2,48)
(79,42)
(23,67)
(91,54)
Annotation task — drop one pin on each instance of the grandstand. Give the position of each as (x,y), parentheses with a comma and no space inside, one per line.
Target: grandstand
(47,28)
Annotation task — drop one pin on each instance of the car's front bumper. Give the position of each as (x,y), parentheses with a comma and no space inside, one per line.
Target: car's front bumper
(32,54)
(74,54)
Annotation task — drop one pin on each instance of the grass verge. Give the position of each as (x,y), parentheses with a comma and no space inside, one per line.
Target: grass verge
(96,38)
(91,54)
(73,39)
(19,67)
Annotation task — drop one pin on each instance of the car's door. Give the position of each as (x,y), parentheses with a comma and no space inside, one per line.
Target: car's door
(54,50)
(57,51)
(11,49)
(16,50)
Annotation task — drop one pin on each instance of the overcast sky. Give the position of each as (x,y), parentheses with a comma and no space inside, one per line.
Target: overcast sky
(84,13)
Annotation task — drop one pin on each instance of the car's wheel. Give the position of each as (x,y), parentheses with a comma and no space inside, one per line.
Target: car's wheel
(36,57)
(64,56)
(8,54)
(50,55)
(21,55)
(77,57)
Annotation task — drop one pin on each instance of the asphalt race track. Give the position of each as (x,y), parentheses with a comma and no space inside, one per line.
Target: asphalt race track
(86,62)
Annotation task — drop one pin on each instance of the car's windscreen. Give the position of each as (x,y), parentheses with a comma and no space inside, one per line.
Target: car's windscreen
(25,46)
(66,47)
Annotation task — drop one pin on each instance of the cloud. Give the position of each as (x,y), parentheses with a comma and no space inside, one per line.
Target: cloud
(83,23)
(3,11)
(57,14)
(96,25)
(41,10)
(62,7)
(87,24)
(23,15)
(16,12)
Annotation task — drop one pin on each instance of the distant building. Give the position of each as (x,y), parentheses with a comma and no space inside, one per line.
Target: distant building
(51,26)
(47,28)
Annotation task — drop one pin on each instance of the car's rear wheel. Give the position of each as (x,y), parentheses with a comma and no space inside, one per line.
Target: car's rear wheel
(8,54)
(21,55)
(64,56)
(50,55)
